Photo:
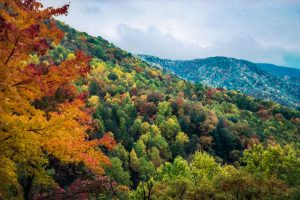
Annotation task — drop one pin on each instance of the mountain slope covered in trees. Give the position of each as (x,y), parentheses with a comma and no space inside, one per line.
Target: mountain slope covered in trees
(84,119)
(280,71)
(158,119)
(264,81)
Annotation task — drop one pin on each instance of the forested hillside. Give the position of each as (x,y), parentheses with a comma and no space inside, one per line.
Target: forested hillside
(268,82)
(280,71)
(82,119)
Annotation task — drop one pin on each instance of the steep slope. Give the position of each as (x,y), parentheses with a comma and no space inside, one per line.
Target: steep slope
(234,74)
(158,118)
(131,89)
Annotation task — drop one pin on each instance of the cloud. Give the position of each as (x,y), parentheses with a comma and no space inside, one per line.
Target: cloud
(91,9)
(259,31)
(248,48)
(153,42)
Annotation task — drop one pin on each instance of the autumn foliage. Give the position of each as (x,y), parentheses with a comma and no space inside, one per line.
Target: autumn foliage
(73,106)
(29,134)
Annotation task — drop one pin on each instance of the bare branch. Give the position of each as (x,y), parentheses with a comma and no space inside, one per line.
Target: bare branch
(12,52)
(6,138)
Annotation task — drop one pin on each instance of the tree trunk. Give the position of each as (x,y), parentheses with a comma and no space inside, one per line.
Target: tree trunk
(26,185)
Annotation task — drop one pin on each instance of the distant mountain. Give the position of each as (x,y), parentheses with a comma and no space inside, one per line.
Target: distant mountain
(280,71)
(264,81)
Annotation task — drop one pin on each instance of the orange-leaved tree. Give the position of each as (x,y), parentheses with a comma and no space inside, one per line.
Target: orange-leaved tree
(30,134)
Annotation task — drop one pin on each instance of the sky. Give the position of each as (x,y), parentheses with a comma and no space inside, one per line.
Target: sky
(264,31)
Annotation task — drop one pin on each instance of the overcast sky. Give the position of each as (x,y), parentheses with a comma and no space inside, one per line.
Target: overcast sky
(256,30)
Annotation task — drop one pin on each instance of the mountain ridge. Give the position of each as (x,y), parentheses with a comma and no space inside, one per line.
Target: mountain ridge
(260,65)
(234,74)
(280,71)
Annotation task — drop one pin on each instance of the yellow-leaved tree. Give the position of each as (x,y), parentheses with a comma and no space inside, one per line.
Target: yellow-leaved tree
(30,133)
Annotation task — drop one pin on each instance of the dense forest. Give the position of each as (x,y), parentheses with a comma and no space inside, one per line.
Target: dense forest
(82,119)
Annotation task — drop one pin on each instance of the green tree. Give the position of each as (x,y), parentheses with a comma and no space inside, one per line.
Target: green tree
(112,76)
(117,173)
(170,128)
(164,110)
(281,162)
(146,169)
(174,180)
(155,157)
(203,166)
